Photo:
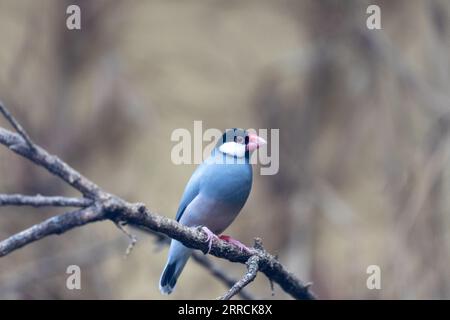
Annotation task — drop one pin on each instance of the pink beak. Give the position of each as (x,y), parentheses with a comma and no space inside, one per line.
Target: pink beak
(255,142)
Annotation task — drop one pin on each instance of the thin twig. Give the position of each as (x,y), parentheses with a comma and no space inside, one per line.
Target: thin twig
(259,246)
(252,270)
(220,274)
(55,225)
(16,126)
(272,287)
(130,236)
(43,201)
(52,163)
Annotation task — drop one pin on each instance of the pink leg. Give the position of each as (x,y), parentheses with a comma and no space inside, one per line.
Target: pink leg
(237,243)
(210,237)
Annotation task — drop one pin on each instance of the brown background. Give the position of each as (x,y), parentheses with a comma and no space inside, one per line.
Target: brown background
(364,136)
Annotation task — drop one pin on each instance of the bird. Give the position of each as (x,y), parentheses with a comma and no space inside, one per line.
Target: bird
(213,197)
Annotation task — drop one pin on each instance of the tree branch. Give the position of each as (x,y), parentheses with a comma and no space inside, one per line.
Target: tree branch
(219,274)
(43,201)
(52,163)
(252,270)
(131,237)
(108,206)
(15,124)
(55,225)
(203,261)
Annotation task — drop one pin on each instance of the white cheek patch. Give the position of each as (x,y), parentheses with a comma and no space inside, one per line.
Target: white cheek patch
(233,149)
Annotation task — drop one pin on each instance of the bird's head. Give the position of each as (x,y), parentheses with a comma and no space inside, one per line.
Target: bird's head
(239,142)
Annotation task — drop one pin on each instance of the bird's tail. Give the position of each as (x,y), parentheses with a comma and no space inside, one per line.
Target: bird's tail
(178,256)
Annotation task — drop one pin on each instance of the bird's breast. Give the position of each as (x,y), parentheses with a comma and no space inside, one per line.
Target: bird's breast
(215,214)
(230,183)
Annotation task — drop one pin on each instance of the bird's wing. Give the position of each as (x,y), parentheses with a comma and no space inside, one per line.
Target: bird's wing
(190,192)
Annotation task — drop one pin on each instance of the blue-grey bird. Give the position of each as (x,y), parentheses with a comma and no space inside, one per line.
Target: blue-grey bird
(213,197)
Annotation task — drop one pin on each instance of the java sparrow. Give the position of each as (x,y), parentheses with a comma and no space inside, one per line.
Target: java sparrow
(213,197)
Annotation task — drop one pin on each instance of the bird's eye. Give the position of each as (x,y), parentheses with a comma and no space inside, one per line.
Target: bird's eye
(240,139)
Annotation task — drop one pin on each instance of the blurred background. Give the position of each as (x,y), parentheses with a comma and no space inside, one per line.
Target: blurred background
(364,119)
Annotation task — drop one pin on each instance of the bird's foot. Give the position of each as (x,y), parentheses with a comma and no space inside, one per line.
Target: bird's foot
(236,243)
(210,237)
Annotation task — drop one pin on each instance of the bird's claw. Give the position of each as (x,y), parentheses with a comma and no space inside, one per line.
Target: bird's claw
(236,243)
(210,236)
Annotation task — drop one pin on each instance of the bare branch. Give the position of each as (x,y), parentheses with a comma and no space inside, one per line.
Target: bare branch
(252,270)
(43,201)
(108,206)
(130,236)
(220,274)
(16,125)
(50,162)
(55,225)
(202,260)
(137,214)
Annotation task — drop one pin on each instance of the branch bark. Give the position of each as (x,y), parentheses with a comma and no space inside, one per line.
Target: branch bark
(107,206)
(219,274)
(203,261)
(16,125)
(55,225)
(43,201)
(252,270)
